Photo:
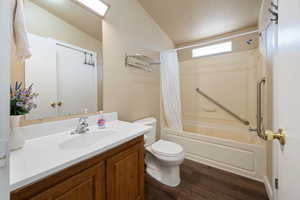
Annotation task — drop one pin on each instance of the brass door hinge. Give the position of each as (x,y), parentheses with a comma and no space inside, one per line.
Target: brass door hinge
(276,183)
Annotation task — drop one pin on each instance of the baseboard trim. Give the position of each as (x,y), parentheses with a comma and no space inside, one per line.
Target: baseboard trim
(223,168)
(268,187)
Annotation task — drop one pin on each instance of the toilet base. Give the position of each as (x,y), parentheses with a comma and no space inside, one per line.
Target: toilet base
(166,174)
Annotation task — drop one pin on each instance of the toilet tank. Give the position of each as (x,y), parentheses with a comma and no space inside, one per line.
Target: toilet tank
(150,136)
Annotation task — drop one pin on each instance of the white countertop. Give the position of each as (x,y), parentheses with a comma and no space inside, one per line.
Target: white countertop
(46,155)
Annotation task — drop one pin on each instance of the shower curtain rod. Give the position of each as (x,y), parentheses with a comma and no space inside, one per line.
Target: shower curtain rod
(73,48)
(217,40)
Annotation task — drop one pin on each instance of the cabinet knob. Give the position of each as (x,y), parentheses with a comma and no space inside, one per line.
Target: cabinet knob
(53,105)
(59,103)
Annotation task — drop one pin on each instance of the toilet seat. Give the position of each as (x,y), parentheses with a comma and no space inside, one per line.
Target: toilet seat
(163,160)
(166,149)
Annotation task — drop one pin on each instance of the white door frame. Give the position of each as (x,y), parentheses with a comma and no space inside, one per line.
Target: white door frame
(5,35)
(276,145)
(286,101)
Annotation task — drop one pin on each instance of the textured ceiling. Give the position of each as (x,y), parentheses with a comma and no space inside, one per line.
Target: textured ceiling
(75,15)
(190,20)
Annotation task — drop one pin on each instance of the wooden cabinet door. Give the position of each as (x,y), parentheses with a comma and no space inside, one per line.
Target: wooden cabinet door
(125,174)
(87,185)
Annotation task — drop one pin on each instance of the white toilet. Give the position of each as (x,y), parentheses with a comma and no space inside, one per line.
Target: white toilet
(163,158)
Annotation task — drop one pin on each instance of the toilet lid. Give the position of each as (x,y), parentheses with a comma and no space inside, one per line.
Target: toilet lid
(166,148)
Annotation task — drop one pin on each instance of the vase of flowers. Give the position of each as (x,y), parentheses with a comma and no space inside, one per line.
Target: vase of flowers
(21,103)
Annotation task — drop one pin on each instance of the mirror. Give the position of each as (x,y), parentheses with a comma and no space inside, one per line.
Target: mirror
(66,64)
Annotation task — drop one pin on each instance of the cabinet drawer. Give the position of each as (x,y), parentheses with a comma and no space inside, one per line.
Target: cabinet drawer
(87,185)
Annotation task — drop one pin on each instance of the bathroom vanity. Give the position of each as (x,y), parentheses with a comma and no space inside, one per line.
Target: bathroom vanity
(108,164)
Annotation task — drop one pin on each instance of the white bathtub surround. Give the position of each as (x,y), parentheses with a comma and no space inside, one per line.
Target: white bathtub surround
(171,89)
(43,156)
(16,140)
(245,157)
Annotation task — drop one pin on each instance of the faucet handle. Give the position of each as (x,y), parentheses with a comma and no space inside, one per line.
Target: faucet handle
(83,121)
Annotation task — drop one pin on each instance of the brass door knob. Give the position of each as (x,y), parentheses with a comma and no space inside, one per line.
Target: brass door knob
(281,135)
(53,105)
(59,103)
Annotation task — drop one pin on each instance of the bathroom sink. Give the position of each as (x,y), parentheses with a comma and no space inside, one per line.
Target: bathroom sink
(93,137)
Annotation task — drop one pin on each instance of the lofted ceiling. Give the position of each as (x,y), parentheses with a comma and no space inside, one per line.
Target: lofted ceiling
(75,15)
(191,20)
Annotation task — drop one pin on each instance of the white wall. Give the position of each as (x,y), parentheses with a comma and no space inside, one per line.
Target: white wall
(127,28)
(43,23)
(4,88)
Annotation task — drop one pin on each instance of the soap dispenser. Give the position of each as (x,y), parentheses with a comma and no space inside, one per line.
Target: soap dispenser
(101,121)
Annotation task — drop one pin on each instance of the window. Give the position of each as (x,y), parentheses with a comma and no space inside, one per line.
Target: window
(212,49)
(97,6)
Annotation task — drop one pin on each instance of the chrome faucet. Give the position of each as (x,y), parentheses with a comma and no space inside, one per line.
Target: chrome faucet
(82,127)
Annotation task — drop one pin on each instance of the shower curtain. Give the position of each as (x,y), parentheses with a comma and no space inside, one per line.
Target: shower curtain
(171,89)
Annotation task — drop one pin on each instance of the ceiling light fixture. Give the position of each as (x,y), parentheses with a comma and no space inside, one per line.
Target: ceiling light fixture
(97,6)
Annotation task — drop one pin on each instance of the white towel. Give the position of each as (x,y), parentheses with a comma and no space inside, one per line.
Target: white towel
(20,31)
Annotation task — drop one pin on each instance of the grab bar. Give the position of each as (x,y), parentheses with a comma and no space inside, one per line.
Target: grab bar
(259,115)
(245,122)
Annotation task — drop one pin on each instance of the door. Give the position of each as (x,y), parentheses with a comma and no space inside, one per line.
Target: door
(40,70)
(77,81)
(88,185)
(287,99)
(5,33)
(125,175)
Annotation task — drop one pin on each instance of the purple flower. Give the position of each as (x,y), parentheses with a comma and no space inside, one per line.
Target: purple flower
(20,104)
(22,99)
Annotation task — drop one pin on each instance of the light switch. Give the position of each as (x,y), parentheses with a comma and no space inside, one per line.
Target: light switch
(3,153)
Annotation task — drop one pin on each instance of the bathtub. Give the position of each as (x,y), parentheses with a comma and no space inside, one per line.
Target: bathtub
(228,148)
